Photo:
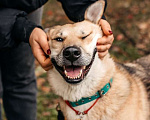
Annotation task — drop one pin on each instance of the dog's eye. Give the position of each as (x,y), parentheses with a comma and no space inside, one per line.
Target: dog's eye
(85,36)
(59,39)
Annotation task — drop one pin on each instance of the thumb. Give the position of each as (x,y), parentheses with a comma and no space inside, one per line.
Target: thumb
(105,27)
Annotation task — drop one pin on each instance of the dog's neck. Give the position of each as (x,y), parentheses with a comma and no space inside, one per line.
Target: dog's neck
(89,86)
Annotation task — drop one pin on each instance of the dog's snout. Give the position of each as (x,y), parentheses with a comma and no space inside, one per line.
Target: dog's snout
(72,53)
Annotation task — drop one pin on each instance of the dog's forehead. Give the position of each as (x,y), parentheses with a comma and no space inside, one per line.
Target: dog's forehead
(83,27)
(79,29)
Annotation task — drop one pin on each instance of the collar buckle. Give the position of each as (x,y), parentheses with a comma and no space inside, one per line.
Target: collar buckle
(101,92)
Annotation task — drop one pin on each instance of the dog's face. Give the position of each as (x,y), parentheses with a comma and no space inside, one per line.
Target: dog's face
(77,70)
(73,48)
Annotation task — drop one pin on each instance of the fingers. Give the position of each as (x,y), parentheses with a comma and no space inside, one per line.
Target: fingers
(40,47)
(105,27)
(46,64)
(44,44)
(102,54)
(105,40)
(40,56)
(44,61)
(103,48)
(104,43)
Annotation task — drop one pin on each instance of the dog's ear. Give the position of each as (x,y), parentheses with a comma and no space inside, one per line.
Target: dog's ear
(95,11)
(47,30)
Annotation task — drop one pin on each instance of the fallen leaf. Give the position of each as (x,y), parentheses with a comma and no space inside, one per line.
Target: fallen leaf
(119,37)
(46,113)
(49,13)
(40,82)
(45,89)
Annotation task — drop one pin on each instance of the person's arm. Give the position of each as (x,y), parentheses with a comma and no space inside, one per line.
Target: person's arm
(24,5)
(75,9)
(30,33)
(14,27)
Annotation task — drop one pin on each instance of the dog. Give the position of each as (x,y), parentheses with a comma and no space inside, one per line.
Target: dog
(91,88)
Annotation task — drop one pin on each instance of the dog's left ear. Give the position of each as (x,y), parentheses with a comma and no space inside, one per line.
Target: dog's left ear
(95,11)
(47,31)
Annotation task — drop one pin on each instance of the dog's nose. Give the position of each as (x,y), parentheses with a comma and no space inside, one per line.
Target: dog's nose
(72,53)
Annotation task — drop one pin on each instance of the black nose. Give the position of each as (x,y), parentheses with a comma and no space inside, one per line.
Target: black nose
(72,53)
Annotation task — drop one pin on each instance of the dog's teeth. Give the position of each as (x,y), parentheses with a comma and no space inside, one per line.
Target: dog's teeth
(65,72)
(80,72)
(84,67)
(68,76)
(78,76)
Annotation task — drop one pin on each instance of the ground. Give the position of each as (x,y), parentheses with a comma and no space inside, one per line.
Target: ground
(130,22)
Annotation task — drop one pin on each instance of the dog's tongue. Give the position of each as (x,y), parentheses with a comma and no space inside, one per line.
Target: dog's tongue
(73,71)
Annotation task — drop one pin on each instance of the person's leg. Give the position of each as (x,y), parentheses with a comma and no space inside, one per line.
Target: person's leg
(19,83)
(0,93)
(0,111)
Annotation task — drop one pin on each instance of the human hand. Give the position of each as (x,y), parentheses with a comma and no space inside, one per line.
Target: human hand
(40,48)
(104,43)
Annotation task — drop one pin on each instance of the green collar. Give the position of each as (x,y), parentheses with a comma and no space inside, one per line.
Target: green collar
(98,94)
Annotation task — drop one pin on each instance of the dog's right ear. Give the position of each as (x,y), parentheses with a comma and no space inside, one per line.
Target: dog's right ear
(95,11)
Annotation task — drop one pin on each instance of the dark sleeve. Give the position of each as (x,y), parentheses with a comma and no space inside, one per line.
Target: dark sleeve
(14,27)
(75,9)
(24,5)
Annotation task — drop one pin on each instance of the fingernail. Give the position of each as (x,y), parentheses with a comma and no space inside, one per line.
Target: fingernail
(110,32)
(48,51)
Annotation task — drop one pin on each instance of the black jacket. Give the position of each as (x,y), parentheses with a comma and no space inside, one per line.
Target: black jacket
(75,9)
(14,25)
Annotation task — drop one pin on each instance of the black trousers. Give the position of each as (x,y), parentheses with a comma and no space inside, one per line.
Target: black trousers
(19,83)
(17,80)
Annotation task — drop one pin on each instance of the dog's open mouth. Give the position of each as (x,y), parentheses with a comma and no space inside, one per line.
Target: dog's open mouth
(73,74)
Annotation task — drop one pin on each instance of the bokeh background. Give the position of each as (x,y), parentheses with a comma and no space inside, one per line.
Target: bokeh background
(130,22)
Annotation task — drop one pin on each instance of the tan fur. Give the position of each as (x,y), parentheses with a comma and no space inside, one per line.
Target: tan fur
(126,100)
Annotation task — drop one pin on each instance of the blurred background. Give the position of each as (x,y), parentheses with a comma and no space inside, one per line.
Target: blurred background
(130,22)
